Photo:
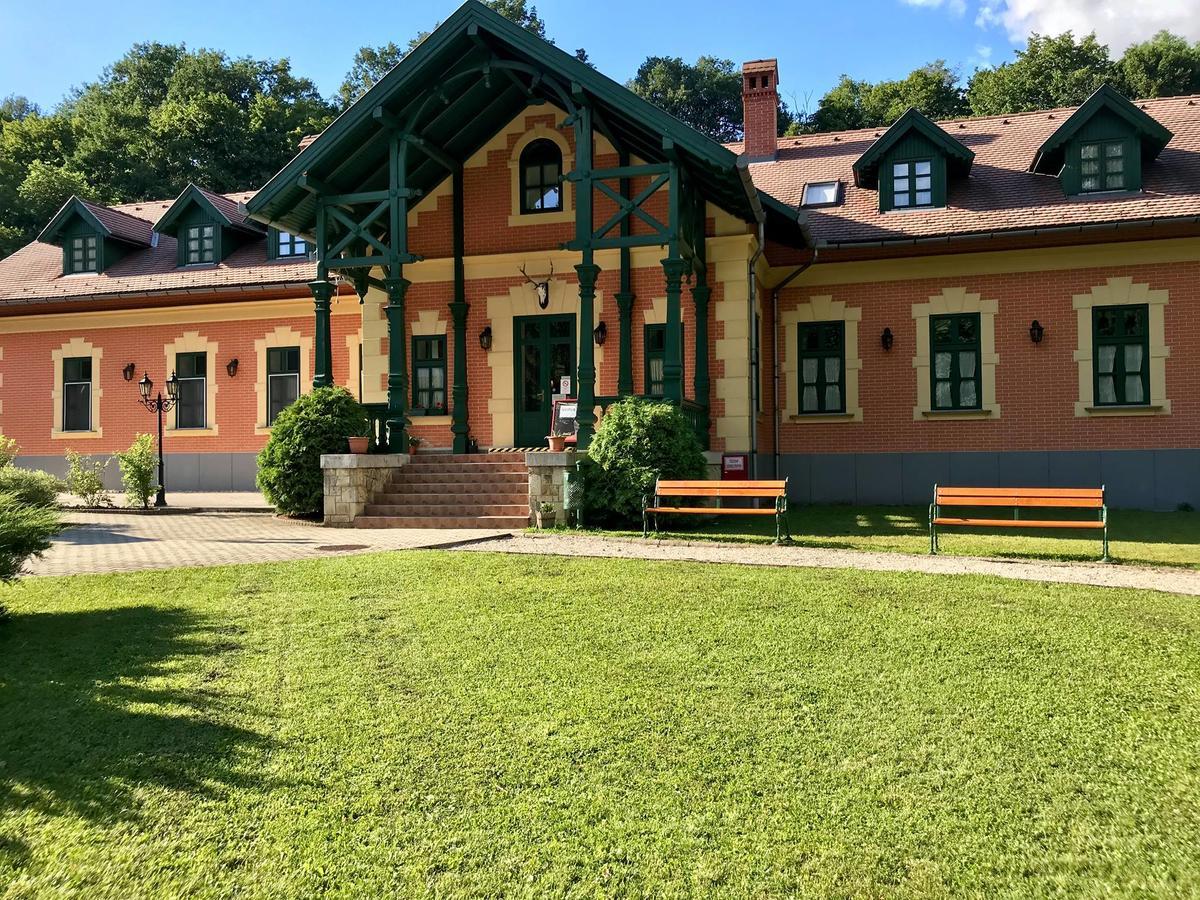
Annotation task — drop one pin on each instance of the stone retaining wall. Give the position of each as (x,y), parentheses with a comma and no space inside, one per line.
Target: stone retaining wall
(351,480)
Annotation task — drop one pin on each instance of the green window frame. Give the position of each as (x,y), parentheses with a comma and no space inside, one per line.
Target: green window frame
(83,254)
(429,375)
(955,364)
(822,367)
(283,380)
(200,244)
(77,394)
(912,183)
(191,408)
(541,177)
(288,246)
(1121,355)
(654,352)
(1103,166)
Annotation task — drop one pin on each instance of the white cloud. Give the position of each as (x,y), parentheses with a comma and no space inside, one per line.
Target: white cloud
(1117,23)
(982,58)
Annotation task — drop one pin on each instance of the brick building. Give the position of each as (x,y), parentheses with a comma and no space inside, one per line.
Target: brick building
(987,301)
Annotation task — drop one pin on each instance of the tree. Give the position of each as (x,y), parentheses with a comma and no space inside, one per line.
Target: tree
(933,89)
(1049,72)
(1164,66)
(14,108)
(372,63)
(34,169)
(706,96)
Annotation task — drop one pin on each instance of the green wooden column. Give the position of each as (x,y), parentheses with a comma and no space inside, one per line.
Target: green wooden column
(674,268)
(461,427)
(396,287)
(588,273)
(701,293)
(322,291)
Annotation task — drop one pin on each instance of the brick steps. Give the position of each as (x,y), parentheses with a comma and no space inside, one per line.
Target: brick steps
(453,491)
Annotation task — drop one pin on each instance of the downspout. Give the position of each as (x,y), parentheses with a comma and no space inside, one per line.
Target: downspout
(777,416)
(752,331)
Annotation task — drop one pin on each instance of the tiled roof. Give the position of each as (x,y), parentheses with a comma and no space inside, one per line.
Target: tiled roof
(1001,194)
(34,275)
(122,225)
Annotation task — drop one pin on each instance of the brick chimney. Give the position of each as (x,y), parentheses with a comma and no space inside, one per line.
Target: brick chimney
(760,107)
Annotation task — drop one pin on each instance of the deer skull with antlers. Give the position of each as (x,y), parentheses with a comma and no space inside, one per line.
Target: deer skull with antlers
(541,287)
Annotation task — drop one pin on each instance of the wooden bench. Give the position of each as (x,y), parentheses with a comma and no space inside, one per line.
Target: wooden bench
(775,491)
(1017,499)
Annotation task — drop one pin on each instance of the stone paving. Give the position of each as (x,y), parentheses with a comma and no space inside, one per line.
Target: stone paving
(97,542)
(210,501)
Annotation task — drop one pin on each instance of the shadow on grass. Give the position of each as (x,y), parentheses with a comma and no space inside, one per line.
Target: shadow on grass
(99,706)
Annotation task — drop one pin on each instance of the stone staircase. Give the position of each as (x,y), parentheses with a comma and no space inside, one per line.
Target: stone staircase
(437,490)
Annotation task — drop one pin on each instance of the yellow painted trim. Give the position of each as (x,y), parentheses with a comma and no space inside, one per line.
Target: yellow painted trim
(956,300)
(194,342)
(76,347)
(567,214)
(821,309)
(997,262)
(374,330)
(431,420)
(283,336)
(353,355)
(1120,292)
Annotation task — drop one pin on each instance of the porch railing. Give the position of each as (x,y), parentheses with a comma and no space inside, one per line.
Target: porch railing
(376,427)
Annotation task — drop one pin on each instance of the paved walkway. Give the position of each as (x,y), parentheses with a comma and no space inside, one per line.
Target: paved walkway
(1175,581)
(190,501)
(125,542)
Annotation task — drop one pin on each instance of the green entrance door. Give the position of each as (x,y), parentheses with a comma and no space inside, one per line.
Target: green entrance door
(545,352)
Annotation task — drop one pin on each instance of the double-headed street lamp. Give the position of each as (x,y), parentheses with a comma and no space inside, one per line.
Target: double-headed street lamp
(159,405)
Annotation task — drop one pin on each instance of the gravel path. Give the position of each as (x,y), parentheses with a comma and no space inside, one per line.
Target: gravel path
(1174,581)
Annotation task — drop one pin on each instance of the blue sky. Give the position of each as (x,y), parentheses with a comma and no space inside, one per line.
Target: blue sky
(814,40)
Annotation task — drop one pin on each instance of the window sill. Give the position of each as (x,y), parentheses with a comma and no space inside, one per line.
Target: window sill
(958,413)
(210,431)
(430,420)
(548,218)
(76,435)
(825,417)
(1136,409)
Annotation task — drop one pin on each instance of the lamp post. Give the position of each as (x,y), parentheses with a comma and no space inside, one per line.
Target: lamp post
(159,405)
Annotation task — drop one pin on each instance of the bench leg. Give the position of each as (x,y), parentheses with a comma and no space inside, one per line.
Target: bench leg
(933,547)
(645,523)
(1104,513)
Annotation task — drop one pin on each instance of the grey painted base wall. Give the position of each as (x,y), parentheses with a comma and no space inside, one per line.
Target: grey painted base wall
(1134,479)
(184,471)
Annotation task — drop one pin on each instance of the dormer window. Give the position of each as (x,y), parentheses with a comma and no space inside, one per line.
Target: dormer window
(200,244)
(289,245)
(912,183)
(541,167)
(83,254)
(1102,166)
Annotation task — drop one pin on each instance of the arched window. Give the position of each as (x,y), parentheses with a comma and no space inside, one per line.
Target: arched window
(541,167)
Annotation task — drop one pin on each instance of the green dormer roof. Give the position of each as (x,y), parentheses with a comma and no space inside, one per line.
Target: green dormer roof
(958,157)
(219,210)
(1152,135)
(107,223)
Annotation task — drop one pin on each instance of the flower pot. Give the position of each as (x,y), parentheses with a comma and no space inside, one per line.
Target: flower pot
(359,444)
(545,520)
(412,449)
(558,443)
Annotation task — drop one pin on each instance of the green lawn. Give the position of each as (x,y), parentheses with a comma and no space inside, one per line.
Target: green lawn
(1136,537)
(467,725)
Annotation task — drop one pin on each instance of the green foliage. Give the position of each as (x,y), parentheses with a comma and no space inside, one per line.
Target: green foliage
(1048,72)
(1164,66)
(933,90)
(8,450)
(636,442)
(85,478)
(26,530)
(138,465)
(289,467)
(30,486)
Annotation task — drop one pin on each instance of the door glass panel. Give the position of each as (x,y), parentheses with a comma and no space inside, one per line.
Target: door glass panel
(531,331)
(531,377)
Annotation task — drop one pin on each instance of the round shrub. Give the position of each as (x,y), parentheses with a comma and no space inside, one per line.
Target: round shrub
(25,530)
(289,467)
(29,487)
(636,442)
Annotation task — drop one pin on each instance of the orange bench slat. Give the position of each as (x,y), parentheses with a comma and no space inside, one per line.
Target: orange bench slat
(945,491)
(711,510)
(1032,501)
(1017,523)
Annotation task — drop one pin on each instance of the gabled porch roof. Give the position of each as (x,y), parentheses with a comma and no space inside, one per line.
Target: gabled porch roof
(465,82)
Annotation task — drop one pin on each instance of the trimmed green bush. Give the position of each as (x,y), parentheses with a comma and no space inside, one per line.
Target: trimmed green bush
(138,471)
(85,478)
(29,486)
(25,530)
(636,442)
(289,467)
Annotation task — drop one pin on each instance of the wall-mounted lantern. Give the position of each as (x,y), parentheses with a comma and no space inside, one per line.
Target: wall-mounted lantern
(231,367)
(887,339)
(1036,332)
(600,334)
(485,338)
(129,371)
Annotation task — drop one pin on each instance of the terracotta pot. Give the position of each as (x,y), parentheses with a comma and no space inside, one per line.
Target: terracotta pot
(558,443)
(412,449)
(359,444)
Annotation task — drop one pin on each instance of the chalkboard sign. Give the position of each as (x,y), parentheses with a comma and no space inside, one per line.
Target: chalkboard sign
(563,422)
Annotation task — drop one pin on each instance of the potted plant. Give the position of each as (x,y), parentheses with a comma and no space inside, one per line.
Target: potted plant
(558,443)
(413,443)
(359,443)
(545,515)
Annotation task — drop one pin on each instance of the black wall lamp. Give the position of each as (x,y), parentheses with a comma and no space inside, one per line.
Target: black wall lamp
(600,334)
(887,339)
(129,371)
(485,338)
(1036,332)
(231,367)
